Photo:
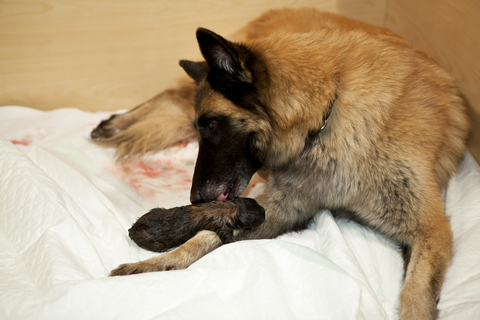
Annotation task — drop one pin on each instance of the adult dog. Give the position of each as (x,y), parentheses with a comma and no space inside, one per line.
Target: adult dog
(342,115)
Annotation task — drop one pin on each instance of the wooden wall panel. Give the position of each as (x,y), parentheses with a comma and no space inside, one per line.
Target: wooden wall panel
(449,31)
(109,55)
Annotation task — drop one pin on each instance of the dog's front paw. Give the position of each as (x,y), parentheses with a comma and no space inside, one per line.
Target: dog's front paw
(126,269)
(142,267)
(177,259)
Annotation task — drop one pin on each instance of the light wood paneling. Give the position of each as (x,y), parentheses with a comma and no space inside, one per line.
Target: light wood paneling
(449,31)
(109,55)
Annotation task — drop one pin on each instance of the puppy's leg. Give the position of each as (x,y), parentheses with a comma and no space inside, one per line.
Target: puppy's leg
(152,126)
(431,251)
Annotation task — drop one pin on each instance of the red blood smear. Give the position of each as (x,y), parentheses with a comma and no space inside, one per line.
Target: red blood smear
(23,142)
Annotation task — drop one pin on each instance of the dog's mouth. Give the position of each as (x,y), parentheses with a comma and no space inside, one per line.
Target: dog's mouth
(233,191)
(223,196)
(211,189)
(230,193)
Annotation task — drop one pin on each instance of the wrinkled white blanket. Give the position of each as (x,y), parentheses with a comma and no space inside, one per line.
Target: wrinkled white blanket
(66,206)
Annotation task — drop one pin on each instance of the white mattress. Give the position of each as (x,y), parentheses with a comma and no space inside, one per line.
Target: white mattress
(66,206)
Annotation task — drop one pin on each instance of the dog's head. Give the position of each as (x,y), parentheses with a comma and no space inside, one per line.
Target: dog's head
(244,123)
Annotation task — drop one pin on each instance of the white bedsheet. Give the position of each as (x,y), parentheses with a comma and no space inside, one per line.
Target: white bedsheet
(66,206)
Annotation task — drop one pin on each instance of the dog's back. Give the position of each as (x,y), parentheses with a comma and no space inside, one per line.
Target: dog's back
(301,21)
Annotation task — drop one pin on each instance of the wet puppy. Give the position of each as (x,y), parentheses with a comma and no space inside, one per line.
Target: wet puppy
(163,229)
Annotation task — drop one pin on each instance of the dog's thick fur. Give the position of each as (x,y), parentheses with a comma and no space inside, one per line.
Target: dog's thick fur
(344,116)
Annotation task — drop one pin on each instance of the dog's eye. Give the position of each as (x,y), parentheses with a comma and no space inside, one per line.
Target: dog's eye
(212,125)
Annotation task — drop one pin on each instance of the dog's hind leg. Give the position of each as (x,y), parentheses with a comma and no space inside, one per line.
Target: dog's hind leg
(431,251)
(152,126)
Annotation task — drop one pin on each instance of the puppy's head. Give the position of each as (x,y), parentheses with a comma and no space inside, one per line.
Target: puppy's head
(250,213)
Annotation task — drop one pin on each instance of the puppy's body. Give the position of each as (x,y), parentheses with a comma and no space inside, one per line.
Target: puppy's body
(344,116)
(163,229)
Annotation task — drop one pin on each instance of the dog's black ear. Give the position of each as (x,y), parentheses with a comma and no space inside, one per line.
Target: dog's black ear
(196,70)
(223,55)
(235,70)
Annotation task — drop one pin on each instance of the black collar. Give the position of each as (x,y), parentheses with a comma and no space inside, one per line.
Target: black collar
(326,116)
(313,133)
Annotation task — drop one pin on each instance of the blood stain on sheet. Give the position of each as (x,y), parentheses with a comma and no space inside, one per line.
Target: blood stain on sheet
(153,178)
(24,142)
(140,168)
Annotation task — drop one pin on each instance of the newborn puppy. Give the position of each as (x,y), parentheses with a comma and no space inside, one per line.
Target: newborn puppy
(162,229)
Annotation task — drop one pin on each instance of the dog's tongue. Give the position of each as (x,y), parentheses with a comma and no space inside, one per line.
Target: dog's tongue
(222,197)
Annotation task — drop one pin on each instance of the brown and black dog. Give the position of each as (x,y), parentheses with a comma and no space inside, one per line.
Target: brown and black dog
(342,115)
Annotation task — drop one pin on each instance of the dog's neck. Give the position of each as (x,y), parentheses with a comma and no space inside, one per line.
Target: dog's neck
(326,116)
(313,133)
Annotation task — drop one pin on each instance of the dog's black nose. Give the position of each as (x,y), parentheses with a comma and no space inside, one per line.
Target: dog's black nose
(196,197)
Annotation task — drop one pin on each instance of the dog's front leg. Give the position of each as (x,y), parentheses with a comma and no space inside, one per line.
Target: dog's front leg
(286,210)
(179,258)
